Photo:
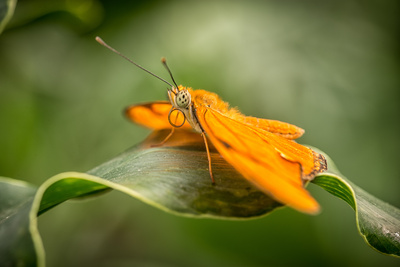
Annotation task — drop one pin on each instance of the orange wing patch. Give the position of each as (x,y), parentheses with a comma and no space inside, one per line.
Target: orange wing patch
(276,170)
(153,115)
(284,129)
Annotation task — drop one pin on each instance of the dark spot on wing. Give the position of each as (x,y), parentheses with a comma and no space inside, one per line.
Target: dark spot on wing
(226,144)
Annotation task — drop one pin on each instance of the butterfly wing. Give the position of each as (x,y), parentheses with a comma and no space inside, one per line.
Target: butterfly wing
(154,115)
(273,163)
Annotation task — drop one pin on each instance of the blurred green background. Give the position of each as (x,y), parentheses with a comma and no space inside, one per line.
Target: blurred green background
(331,67)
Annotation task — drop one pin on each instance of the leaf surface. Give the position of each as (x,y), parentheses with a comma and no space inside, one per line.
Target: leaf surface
(175,178)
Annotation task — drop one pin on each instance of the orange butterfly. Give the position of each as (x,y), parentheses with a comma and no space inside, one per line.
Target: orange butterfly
(263,151)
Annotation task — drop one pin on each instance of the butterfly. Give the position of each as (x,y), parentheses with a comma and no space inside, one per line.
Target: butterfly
(262,150)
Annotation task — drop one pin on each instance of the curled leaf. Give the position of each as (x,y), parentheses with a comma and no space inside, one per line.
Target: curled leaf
(7,8)
(377,222)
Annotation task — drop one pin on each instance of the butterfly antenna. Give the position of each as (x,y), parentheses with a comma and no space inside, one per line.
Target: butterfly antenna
(100,41)
(164,62)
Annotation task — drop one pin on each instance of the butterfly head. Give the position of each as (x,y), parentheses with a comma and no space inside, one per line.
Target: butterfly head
(180,97)
(181,101)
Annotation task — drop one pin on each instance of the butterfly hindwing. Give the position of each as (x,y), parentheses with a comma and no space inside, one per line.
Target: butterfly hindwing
(284,129)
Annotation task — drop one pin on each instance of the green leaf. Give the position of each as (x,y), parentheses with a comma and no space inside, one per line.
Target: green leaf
(7,8)
(16,240)
(377,222)
(175,178)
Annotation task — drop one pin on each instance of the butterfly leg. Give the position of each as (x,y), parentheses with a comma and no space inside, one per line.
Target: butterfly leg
(165,139)
(208,156)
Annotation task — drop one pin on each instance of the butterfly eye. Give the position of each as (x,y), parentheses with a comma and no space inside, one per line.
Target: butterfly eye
(183,99)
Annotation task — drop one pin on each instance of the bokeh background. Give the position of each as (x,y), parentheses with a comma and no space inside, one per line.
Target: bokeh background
(331,67)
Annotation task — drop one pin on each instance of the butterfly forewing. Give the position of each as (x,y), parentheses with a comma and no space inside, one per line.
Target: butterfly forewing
(257,159)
